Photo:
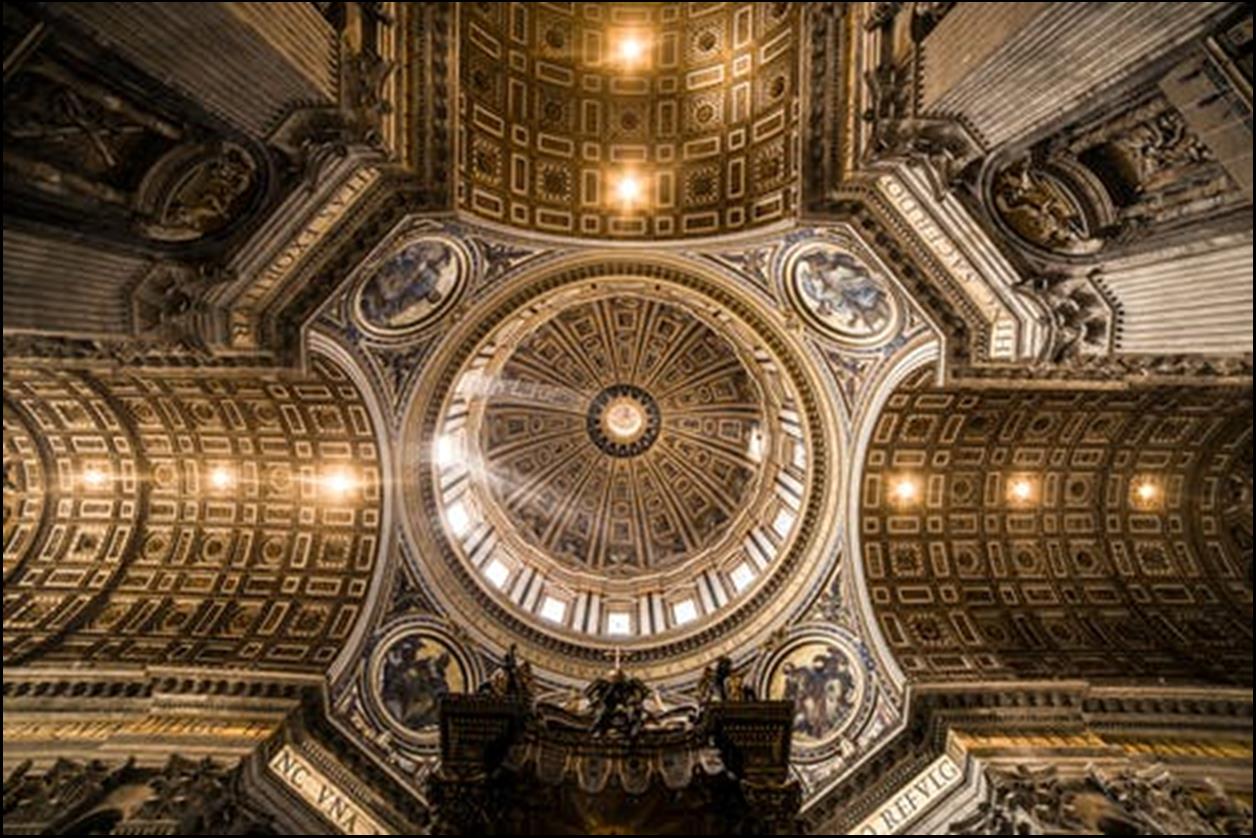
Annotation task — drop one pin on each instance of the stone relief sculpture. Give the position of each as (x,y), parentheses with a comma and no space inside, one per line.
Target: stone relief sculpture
(98,797)
(943,148)
(618,704)
(1126,178)
(208,196)
(513,679)
(1080,322)
(94,147)
(1039,208)
(1156,171)
(1159,147)
(67,143)
(721,683)
(1127,800)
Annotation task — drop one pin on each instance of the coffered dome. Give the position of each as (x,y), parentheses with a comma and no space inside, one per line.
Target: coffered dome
(621,434)
(620,454)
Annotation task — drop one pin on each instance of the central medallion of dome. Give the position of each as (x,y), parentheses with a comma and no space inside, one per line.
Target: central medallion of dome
(668,454)
(623,420)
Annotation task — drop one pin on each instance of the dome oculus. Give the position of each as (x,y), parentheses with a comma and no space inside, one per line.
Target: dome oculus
(623,420)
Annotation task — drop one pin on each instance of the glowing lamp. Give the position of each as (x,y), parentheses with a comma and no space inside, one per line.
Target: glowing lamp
(1022,490)
(906,490)
(628,189)
(338,482)
(220,478)
(631,49)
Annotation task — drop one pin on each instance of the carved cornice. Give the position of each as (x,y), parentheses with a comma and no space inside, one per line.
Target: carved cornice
(314,734)
(349,159)
(270,265)
(1010,708)
(56,713)
(981,320)
(70,351)
(1139,797)
(332,260)
(180,796)
(927,280)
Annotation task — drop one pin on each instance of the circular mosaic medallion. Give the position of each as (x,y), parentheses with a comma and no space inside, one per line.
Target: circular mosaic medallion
(412,667)
(837,293)
(821,673)
(412,286)
(623,420)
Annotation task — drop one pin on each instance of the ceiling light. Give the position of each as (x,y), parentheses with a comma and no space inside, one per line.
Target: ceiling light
(1147,491)
(628,189)
(221,478)
(1022,490)
(906,490)
(338,482)
(631,49)
(93,478)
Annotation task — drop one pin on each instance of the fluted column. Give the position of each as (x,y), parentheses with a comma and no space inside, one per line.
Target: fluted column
(68,288)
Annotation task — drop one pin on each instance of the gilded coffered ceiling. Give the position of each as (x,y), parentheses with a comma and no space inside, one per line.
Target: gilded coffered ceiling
(629,120)
(158,518)
(1041,534)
